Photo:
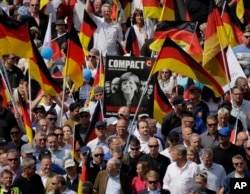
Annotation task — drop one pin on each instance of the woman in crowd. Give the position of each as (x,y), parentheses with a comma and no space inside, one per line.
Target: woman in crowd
(67,134)
(201,179)
(166,81)
(193,155)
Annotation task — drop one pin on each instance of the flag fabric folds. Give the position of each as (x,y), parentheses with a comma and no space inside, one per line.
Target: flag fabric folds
(126,6)
(172,57)
(40,73)
(232,26)
(75,59)
(216,40)
(27,124)
(151,9)
(161,103)
(132,45)
(56,46)
(86,32)
(99,77)
(174,10)
(14,37)
(114,14)
(181,32)
(240,10)
(4,92)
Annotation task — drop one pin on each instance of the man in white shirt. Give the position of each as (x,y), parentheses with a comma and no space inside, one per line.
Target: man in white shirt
(181,173)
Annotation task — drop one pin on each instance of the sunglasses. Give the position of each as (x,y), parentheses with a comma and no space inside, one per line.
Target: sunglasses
(98,155)
(239,163)
(152,182)
(52,119)
(12,159)
(212,124)
(14,133)
(153,146)
(92,56)
(134,149)
(59,134)
(84,116)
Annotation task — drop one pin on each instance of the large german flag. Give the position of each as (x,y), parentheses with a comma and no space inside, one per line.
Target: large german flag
(75,59)
(216,40)
(172,57)
(14,37)
(181,32)
(151,8)
(174,10)
(232,26)
(86,32)
(132,45)
(161,103)
(40,73)
(4,92)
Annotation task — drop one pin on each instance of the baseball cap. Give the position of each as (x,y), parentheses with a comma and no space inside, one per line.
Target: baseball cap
(27,148)
(112,121)
(98,89)
(84,149)
(100,124)
(3,141)
(178,100)
(225,131)
(195,88)
(69,163)
(39,107)
(84,110)
(143,115)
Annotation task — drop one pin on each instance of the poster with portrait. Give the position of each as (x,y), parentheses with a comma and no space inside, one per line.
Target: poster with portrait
(125,80)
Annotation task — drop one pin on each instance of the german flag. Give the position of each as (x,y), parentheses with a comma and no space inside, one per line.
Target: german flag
(216,40)
(151,8)
(174,10)
(86,32)
(40,73)
(99,78)
(97,116)
(182,33)
(14,37)
(240,10)
(232,26)
(172,57)
(126,6)
(161,103)
(132,45)
(56,46)
(114,14)
(75,59)
(4,92)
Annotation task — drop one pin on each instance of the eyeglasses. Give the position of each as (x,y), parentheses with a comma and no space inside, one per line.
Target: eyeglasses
(92,56)
(153,146)
(164,72)
(59,134)
(12,159)
(98,155)
(52,119)
(212,124)
(152,182)
(248,37)
(14,133)
(239,163)
(84,116)
(34,5)
(134,149)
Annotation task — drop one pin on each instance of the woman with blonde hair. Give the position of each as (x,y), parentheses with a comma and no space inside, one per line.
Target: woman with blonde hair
(193,155)
(201,179)
(166,81)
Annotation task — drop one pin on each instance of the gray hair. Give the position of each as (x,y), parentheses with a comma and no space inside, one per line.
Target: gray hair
(181,150)
(115,162)
(27,162)
(223,111)
(207,153)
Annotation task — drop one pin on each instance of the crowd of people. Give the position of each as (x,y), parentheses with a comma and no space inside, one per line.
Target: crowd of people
(197,148)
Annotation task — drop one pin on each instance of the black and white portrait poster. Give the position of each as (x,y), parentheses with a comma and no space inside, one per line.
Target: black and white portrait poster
(125,80)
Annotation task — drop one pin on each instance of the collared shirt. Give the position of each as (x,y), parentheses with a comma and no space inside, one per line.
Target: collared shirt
(44,179)
(157,191)
(209,141)
(215,176)
(106,35)
(95,142)
(60,156)
(242,113)
(113,185)
(178,180)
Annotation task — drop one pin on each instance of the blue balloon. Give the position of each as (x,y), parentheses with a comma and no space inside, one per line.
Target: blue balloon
(86,74)
(46,52)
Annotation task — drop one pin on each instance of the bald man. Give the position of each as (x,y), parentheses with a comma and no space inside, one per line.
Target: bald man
(241,138)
